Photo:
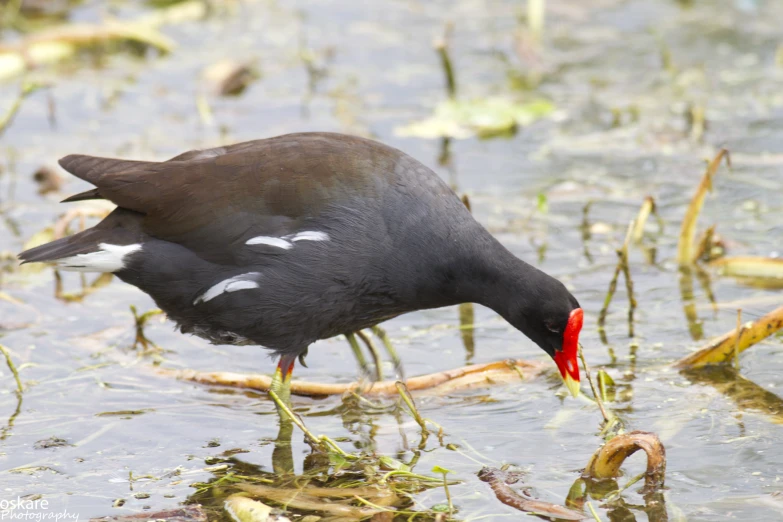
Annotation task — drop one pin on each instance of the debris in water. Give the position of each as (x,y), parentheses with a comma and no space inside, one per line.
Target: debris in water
(499,482)
(229,77)
(244,509)
(723,349)
(762,271)
(605,463)
(483,117)
(466,377)
(48,180)
(194,513)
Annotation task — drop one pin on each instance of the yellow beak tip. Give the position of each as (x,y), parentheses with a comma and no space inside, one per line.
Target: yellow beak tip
(572,385)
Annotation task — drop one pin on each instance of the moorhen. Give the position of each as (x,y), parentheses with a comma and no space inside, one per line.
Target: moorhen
(284,241)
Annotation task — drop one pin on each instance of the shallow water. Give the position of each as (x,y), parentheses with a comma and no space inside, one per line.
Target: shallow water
(620,133)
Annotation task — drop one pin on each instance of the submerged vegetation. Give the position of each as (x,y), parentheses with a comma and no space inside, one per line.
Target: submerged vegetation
(567,122)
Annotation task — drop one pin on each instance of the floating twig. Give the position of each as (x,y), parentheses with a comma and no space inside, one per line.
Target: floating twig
(725,347)
(466,377)
(750,266)
(504,493)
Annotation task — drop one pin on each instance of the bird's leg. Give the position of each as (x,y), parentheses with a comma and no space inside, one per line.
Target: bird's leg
(357,352)
(376,355)
(381,334)
(281,382)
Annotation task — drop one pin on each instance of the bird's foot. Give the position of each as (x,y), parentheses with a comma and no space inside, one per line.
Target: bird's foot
(148,347)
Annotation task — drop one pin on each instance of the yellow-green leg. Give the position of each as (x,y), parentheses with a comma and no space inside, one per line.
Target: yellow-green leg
(281,382)
(381,334)
(374,353)
(357,352)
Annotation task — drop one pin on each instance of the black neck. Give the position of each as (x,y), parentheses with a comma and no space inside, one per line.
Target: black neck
(483,271)
(501,281)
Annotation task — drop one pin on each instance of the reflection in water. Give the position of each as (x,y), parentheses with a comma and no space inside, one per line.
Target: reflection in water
(689,300)
(86,288)
(650,253)
(746,394)
(5,431)
(467,319)
(352,486)
(689,304)
(704,280)
(585,229)
(622,266)
(282,454)
(608,493)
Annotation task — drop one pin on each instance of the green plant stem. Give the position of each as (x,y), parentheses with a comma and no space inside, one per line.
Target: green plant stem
(8,117)
(592,511)
(612,497)
(283,407)
(405,394)
(322,441)
(592,386)
(448,496)
(12,367)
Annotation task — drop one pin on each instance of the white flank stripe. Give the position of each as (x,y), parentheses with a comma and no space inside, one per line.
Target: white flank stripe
(311,235)
(110,258)
(271,241)
(232,284)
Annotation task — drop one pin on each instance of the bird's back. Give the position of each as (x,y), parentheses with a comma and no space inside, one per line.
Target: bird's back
(280,241)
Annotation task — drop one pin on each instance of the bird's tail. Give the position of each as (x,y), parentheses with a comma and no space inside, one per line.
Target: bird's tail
(102,248)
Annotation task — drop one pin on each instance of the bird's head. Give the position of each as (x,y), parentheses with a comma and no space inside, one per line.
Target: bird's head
(553,322)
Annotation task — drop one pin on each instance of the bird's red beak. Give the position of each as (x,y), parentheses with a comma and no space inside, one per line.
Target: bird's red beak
(566,358)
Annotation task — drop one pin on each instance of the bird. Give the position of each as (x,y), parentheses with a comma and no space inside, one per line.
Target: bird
(283,241)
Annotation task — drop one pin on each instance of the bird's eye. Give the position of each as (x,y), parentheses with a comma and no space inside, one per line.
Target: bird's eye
(552,327)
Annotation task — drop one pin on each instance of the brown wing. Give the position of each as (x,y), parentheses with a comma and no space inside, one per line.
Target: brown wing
(213,200)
